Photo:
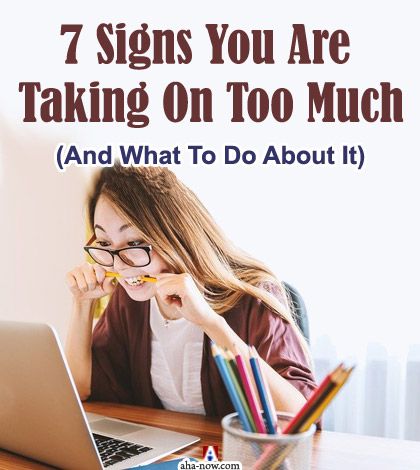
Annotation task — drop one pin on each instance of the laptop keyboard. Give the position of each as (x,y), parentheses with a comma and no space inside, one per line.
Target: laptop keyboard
(113,450)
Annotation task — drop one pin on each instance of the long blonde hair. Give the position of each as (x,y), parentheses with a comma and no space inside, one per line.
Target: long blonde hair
(173,220)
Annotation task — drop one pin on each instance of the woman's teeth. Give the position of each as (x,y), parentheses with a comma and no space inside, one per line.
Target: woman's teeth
(134,281)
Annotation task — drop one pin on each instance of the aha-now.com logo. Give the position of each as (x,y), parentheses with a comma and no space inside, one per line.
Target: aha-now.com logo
(210,461)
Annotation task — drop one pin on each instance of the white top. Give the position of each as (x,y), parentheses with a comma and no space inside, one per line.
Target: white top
(177,351)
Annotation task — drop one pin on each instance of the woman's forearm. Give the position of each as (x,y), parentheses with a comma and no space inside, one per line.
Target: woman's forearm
(79,345)
(285,396)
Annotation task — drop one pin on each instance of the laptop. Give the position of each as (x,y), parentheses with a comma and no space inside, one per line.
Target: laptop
(41,415)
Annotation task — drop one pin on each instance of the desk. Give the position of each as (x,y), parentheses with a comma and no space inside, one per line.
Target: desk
(332,450)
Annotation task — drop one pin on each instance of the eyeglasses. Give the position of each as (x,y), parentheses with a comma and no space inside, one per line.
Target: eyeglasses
(135,256)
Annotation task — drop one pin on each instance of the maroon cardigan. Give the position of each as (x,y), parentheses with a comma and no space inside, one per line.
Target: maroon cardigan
(121,353)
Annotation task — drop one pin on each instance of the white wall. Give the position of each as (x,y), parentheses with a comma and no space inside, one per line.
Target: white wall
(42,230)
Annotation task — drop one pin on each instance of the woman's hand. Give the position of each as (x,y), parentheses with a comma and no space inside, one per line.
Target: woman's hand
(180,293)
(88,282)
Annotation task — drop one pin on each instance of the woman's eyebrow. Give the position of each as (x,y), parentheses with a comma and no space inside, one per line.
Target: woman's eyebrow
(97,226)
(122,228)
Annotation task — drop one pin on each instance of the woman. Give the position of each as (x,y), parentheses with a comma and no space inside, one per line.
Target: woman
(151,346)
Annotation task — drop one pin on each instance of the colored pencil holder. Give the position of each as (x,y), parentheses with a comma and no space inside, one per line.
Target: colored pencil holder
(267,451)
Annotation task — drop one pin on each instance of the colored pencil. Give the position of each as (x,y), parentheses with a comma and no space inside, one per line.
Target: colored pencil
(321,396)
(231,358)
(145,278)
(234,375)
(309,414)
(250,392)
(315,398)
(340,379)
(238,382)
(267,388)
(221,365)
(264,393)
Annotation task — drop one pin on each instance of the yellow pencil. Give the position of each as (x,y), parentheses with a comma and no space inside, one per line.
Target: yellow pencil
(142,278)
(340,380)
(339,376)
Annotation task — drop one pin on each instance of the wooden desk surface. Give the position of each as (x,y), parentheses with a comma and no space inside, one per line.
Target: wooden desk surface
(331,451)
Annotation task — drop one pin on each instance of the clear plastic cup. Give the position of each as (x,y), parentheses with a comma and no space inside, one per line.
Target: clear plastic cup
(266,451)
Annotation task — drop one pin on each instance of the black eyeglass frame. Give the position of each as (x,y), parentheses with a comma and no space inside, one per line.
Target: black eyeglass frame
(113,253)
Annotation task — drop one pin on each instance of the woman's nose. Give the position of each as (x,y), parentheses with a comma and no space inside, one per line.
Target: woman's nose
(119,264)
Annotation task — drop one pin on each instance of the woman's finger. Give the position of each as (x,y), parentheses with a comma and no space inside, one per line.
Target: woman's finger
(90,276)
(108,285)
(169,288)
(100,273)
(80,280)
(71,282)
(182,283)
(163,275)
